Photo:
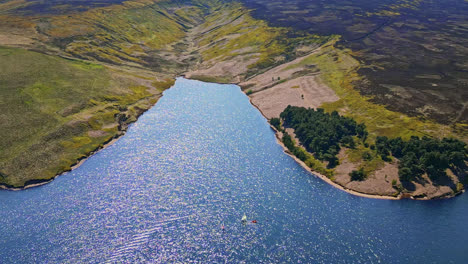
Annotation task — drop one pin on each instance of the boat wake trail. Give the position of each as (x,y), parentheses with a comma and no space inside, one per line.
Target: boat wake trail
(139,239)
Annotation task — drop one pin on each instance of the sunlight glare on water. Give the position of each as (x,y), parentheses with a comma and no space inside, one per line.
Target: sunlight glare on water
(199,160)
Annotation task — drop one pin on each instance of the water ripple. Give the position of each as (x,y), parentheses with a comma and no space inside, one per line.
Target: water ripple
(199,160)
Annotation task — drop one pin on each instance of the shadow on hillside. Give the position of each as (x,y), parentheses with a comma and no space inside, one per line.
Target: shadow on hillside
(408,186)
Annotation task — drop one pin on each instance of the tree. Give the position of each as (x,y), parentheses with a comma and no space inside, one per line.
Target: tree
(287,141)
(406,174)
(332,160)
(358,175)
(457,158)
(320,132)
(348,141)
(362,132)
(300,154)
(276,122)
(396,147)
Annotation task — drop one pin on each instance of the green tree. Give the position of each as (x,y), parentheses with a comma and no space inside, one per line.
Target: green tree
(358,175)
(276,122)
(457,158)
(406,174)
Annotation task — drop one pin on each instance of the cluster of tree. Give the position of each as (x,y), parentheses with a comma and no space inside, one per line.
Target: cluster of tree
(289,143)
(303,155)
(423,155)
(322,133)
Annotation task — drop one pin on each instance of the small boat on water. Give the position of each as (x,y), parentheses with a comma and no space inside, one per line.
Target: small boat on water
(244,219)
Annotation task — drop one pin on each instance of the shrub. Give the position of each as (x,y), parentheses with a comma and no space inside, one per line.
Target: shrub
(366,156)
(358,175)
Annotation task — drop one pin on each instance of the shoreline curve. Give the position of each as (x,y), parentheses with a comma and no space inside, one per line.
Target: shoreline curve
(400,196)
(319,175)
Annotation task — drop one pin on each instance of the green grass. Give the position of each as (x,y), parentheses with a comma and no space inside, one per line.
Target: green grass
(128,33)
(241,34)
(338,71)
(163,85)
(210,79)
(49,105)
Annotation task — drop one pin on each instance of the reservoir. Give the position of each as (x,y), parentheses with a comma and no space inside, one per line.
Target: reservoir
(200,159)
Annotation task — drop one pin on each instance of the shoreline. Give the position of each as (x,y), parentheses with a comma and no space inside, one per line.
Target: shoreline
(400,196)
(39,182)
(321,176)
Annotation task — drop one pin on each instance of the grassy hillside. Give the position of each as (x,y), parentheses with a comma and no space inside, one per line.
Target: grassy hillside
(55,111)
(234,46)
(140,33)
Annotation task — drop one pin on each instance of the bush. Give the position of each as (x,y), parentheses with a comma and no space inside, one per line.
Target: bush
(366,156)
(287,141)
(249,92)
(358,175)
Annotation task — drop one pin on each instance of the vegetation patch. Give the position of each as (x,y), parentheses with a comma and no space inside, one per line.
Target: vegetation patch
(324,134)
(424,155)
(163,85)
(305,156)
(358,175)
(210,79)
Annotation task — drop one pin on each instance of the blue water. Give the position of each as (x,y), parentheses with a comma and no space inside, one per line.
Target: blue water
(200,159)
